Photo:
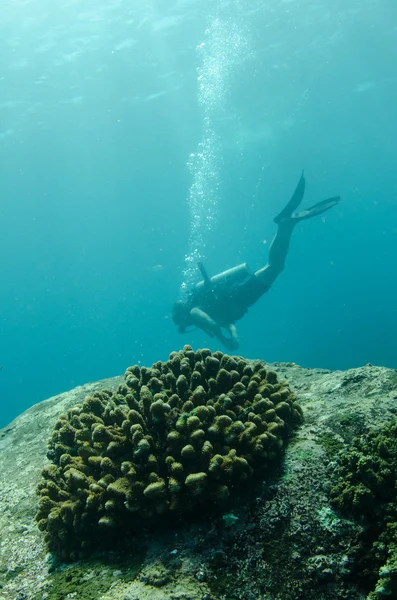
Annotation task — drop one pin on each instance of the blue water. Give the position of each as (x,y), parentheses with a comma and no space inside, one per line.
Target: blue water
(104,210)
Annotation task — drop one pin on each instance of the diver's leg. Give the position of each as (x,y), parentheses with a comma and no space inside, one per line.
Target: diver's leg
(279,247)
(277,253)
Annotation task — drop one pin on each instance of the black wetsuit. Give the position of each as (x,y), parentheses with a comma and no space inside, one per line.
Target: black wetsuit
(226,303)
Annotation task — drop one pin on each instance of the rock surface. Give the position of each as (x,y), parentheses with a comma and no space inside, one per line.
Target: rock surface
(283,542)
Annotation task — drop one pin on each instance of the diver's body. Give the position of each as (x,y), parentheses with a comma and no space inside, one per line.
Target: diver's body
(216,304)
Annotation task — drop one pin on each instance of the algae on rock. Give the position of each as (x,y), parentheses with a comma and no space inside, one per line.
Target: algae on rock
(365,487)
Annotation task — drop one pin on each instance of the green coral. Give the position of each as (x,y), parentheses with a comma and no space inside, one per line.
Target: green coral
(366,487)
(178,437)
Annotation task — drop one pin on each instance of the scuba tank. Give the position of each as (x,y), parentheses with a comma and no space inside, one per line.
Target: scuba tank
(227,278)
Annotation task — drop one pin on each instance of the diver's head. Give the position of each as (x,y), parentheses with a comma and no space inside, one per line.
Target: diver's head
(180,315)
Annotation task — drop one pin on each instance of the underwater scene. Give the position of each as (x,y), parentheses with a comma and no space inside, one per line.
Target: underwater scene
(199,226)
(136,140)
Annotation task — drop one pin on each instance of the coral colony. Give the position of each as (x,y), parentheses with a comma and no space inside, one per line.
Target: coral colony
(178,437)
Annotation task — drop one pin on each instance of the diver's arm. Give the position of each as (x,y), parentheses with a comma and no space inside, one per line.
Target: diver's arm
(204,321)
(233,335)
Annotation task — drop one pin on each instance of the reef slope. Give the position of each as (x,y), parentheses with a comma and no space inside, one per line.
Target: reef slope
(282,541)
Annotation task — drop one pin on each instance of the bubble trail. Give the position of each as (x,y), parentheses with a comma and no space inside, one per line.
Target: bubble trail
(219,54)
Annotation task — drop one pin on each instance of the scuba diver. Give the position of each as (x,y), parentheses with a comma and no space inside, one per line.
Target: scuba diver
(216,303)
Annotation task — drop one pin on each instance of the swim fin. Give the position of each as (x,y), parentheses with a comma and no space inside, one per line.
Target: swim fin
(316,209)
(294,202)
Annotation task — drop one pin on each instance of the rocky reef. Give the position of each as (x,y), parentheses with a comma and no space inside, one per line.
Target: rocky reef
(321,526)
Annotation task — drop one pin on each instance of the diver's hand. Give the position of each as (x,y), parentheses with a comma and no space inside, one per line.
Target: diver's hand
(230,343)
(213,329)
